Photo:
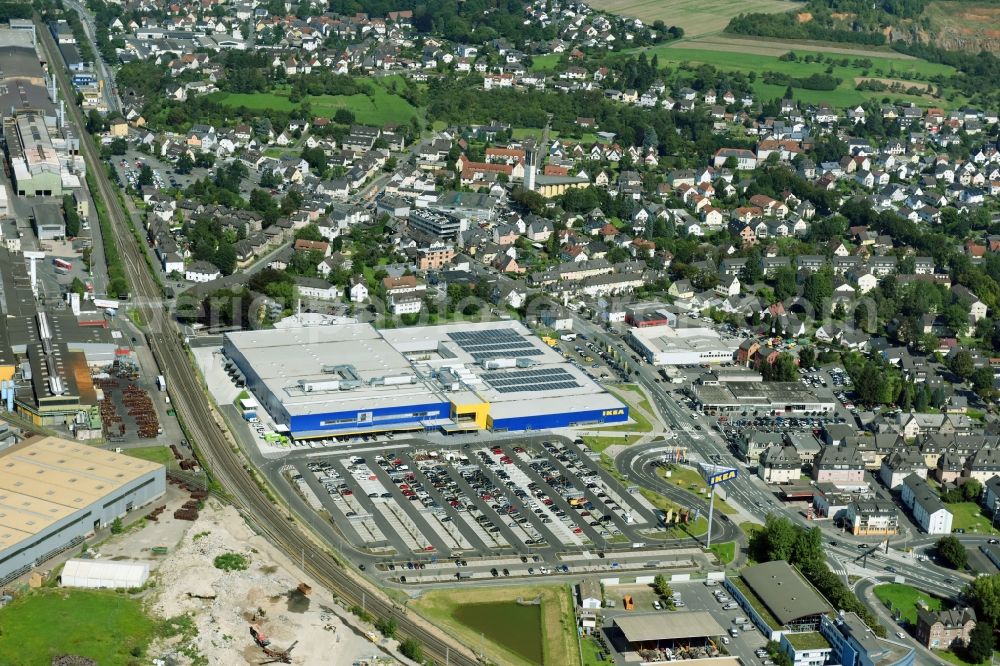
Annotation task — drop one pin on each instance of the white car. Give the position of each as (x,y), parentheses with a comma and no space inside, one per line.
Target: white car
(901,635)
(656,604)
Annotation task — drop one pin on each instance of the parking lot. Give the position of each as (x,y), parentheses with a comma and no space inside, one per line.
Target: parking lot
(591,358)
(505,506)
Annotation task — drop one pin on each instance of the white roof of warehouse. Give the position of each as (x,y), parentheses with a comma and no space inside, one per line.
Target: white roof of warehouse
(97,573)
(282,358)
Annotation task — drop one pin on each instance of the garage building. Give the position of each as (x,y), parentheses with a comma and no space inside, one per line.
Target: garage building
(653,631)
(54,493)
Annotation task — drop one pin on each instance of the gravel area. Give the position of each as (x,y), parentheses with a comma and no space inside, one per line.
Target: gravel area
(224,604)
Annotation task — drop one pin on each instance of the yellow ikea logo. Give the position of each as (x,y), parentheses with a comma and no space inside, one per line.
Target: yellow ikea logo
(613,412)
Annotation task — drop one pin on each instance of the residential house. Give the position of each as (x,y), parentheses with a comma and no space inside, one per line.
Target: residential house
(929,512)
(944,629)
(779,464)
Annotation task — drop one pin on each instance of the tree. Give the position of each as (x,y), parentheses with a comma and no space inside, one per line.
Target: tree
(662,587)
(782,370)
(72,218)
(116,526)
(225,258)
(184,164)
(983,594)
(981,642)
(982,381)
(776,654)
(77,286)
(387,627)
(411,649)
(95,122)
(818,287)
(961,364)
(807,357)
(785,285)
(309,232)
(145,176)
(344,117)
(972,489)
(951,551)
(316,159)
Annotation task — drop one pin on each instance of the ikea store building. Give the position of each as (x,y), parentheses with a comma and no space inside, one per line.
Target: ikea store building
(348,379)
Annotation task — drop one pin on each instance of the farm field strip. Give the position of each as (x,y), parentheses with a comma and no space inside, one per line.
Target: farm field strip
(697,18)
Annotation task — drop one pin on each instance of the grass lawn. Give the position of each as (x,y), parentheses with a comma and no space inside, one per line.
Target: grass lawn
(904,598)
(157,454)
(953,658)
(545,63)
(558,630)
(377,108)
(642,423)
(969,517)
(600,443)
(695,528)
(688,479)
(103,626)
(726,552)
(591,650)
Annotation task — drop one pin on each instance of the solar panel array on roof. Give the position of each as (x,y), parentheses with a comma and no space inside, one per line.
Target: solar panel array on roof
(499,343)
(541,379)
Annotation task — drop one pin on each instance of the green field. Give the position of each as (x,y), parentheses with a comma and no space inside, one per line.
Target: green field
(585,138)
(697,17)
(379,108)
(157,454)
(106,627)
(514,631)
(545,63)
(844,95)
(904,598)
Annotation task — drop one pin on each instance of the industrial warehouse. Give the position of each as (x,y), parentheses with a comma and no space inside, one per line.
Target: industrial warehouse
(770,397)
(666,345)
(54,493)
(351,379)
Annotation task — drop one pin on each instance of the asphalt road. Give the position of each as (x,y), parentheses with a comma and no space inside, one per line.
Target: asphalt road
(205,429)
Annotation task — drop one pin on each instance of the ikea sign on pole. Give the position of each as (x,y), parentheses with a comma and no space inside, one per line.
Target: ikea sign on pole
(716,474)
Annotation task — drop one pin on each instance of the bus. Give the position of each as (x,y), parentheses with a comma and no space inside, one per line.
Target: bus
(62,263)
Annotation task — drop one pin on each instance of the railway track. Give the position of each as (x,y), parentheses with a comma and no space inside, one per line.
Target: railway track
(215,448)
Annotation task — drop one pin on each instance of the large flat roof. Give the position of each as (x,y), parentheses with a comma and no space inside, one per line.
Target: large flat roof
(668,626)
(669,339)
(423,364)
(783,590)
(45,479)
